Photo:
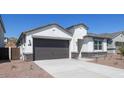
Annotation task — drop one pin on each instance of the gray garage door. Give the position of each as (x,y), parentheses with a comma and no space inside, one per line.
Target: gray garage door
(50,49)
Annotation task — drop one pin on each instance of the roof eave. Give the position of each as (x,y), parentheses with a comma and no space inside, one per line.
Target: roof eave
(99,37)
(54,24)
(1,21)
(81,24)
(22,34)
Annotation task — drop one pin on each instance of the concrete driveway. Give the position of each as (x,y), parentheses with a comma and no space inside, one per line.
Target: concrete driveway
(71,68)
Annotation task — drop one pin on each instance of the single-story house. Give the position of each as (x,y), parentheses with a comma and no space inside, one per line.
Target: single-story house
(117,40)
(2,31)
(53,41)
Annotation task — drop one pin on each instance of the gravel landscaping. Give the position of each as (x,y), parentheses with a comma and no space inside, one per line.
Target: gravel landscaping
(110,60)
(20,69)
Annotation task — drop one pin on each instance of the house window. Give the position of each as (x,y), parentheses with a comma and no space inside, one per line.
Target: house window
(109,42)
(97,44)
(29,44)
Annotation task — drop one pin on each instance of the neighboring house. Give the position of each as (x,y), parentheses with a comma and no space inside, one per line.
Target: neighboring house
(117,41)
(10,42)
(53,41)
(2,31)
(6,39)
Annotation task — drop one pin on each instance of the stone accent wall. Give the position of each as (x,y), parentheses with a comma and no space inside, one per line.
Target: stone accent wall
(74,55)
(28,57)
(92,54)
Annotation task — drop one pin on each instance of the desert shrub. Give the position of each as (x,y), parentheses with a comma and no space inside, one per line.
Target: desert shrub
(121,49)
(31,67)
(13,67)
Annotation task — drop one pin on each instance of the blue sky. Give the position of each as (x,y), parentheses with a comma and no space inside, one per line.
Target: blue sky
(17,23)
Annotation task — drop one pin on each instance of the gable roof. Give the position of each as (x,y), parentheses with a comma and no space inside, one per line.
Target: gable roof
(71,31)
(1,22)
(77,25)
(113,35)
(43,27)
(97,36)
(106,35)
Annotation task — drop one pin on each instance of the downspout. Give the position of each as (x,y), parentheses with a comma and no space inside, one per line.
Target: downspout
(69,49)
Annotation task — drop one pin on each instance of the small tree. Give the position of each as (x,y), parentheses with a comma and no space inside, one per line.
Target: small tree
(121,49)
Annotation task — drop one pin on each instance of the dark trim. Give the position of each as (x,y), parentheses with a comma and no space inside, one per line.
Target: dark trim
(111,49)
(1,21)
(20,37)
(33,49)
(99,37)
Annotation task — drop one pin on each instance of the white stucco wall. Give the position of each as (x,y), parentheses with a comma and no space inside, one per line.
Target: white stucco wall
(105,45)
(1,36)
(87,45)
(22,49)
(21,52)
(28,48)
(79,33)
(53,32)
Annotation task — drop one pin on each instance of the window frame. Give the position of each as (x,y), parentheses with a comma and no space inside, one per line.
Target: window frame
(29,42)
(98,44)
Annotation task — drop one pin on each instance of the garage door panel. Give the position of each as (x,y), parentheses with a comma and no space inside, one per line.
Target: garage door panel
(60,50)
(51,43)
(50,53)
